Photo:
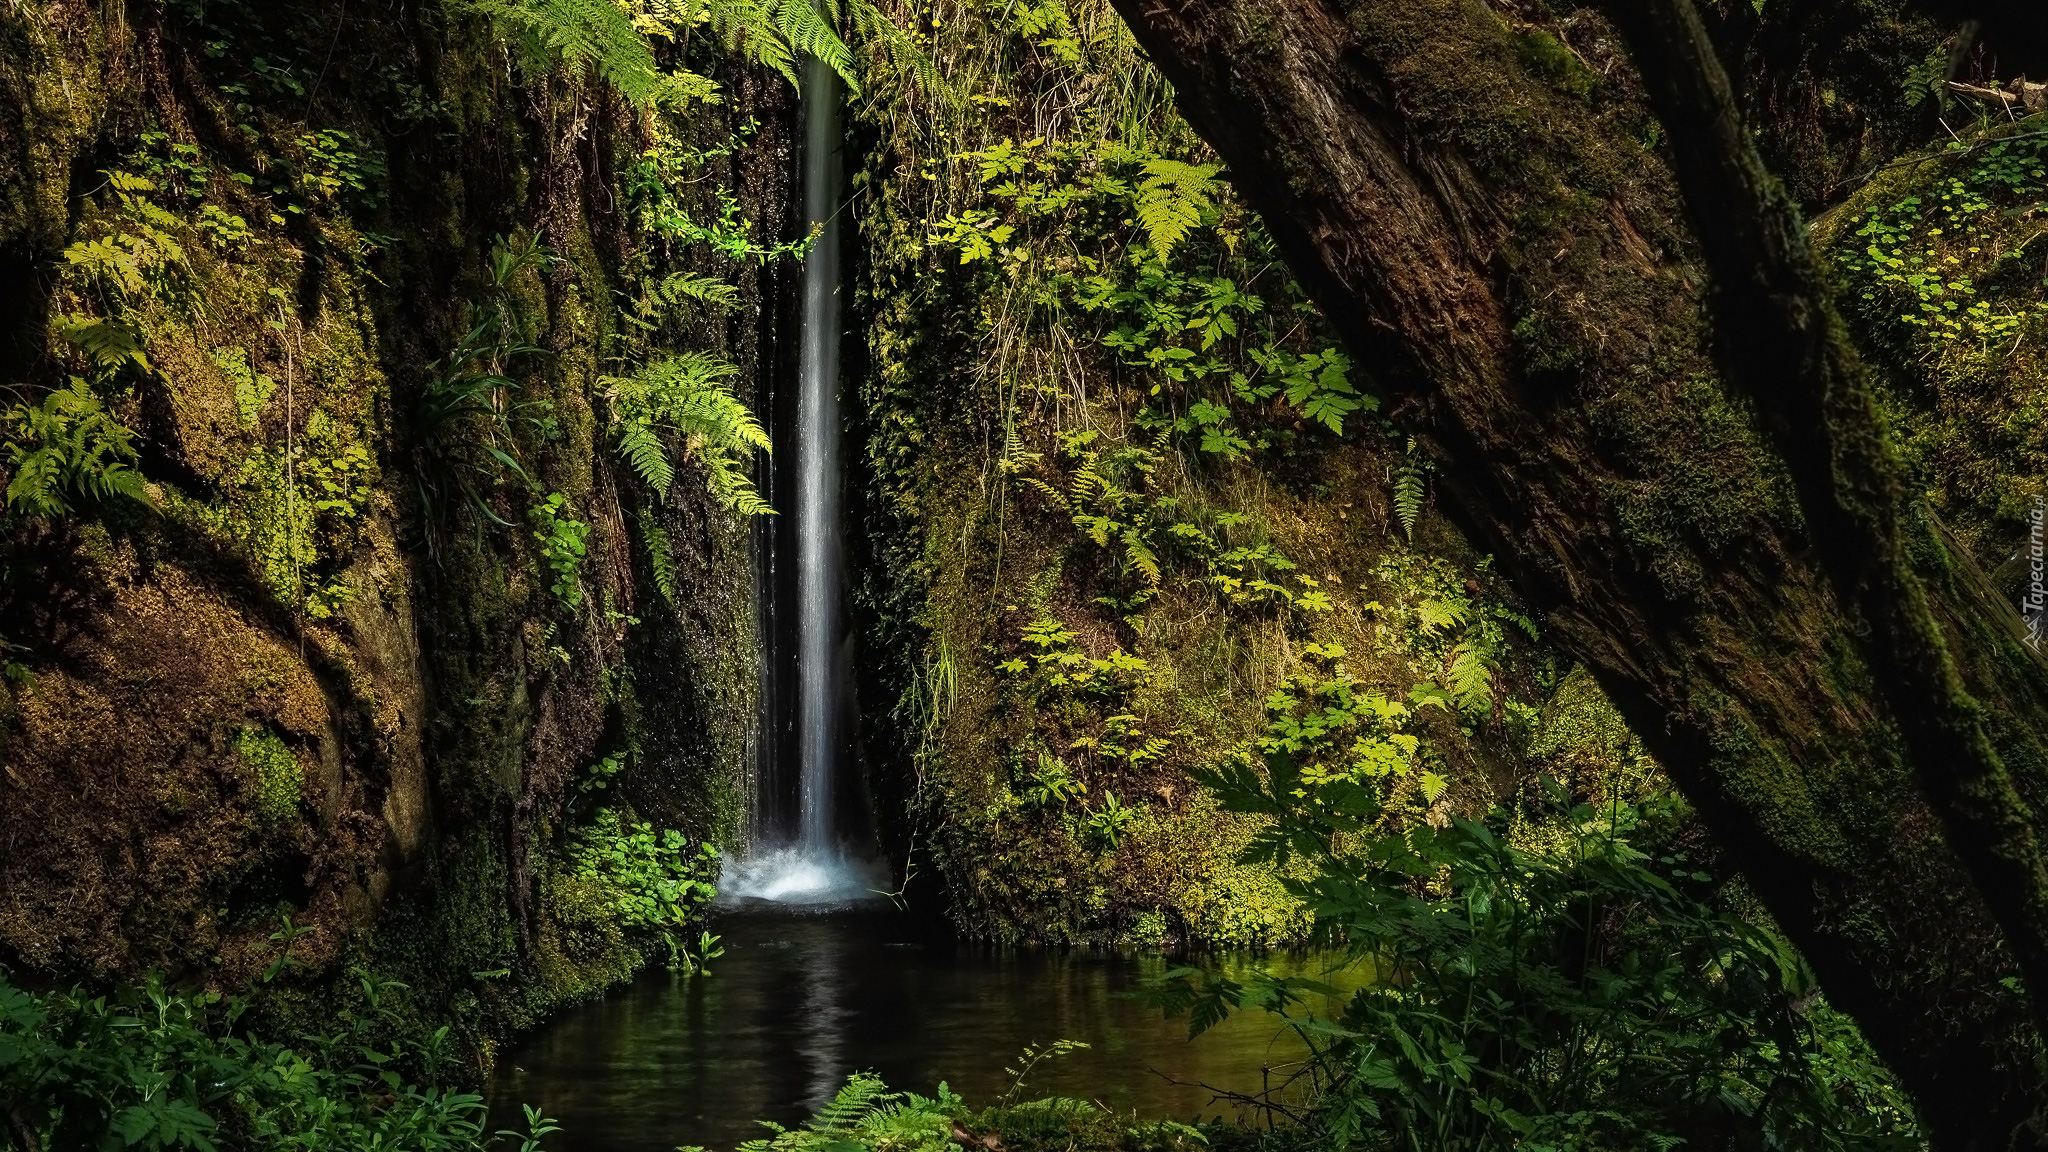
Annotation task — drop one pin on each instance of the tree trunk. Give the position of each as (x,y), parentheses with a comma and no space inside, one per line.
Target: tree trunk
(1479,205)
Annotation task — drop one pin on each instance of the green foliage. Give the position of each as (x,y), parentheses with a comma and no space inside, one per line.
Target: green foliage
(599,37)
(682,397)
(69,448)
(1052,784)
(253,389)
(655,539)
(1172,199)
(865,1115)
(1156,313)
(1594,997)
(1107,824)
(561,541)
(1029,1060)
(276,777)
(471,418)
(154,1069)
(137,255)
(1941,262)
(1318,383)
(652,883)
(1409,489)
(1925,284)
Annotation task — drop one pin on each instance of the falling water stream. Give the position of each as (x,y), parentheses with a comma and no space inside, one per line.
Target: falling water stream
(810,862)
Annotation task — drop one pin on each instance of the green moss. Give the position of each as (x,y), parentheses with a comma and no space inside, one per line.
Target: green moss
(1545,55)
(276,779)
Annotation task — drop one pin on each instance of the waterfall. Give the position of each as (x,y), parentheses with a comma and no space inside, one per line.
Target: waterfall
(819,559)
(809,863)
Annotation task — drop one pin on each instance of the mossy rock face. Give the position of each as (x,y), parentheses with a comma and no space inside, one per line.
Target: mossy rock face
(1109,530)
(301,683)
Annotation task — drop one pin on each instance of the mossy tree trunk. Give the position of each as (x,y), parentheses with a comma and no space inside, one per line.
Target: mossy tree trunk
(1480,204)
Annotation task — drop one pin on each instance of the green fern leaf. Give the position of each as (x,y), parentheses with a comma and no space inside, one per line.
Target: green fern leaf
(595,36)
(683,396)
(1440,615)
(876,34)
(1408,497)
(1471,676)
(643,450)
(1171,200)
(659,556)
(1141,557)
(806,30)
(709,289)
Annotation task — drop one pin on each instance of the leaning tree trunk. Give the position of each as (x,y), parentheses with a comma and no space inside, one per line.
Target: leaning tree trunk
(1481,208)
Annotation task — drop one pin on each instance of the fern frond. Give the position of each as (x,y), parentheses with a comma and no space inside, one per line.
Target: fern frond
(1171,200)
(595,36)
(863,1092)
(1471,676)
(1048,491)
(1408,497)
(875,32)
(1141,557)
(684,396)
(709,289)
(749,26)
(1440,615)
(643,450)
(662,560)
(808,31)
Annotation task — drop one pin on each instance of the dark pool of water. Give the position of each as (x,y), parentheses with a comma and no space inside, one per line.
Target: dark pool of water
(799,1002)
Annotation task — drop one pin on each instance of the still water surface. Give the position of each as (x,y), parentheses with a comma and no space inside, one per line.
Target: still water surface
(799,1002)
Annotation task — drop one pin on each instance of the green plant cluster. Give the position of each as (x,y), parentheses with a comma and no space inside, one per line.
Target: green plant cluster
(156,1069)
(1602,993)
(652,882)
(865,1116)
(1943,280)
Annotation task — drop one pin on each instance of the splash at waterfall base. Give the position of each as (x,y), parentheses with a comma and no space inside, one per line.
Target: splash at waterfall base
(802,875)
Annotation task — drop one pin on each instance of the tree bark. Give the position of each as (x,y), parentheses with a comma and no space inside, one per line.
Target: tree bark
(1780,344)
(1480,205)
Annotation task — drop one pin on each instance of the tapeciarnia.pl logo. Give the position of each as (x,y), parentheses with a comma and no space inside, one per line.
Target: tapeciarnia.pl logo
(2034,606)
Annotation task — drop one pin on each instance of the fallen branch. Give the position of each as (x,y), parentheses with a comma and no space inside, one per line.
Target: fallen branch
(2018,96)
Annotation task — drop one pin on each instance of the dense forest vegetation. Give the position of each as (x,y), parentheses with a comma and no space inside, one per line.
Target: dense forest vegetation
(1539,504)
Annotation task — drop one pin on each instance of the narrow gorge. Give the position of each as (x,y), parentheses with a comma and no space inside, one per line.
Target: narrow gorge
(1022,574)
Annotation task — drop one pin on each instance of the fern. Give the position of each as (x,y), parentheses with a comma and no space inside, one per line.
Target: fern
(1441,615)
(659,556)
(1141,557)
(643,449)
(683,397)
(1471,675)
(851,1103)
(805,30)
(109,345)
(709,289)
(1171,200)
(876,34)
(596,36)
(749,26)
(1051,493)
(69,446)
(1409,492)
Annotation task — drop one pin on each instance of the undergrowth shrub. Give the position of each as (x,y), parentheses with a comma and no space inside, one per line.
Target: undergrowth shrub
(651,882)
(152,1068)
(1601,994)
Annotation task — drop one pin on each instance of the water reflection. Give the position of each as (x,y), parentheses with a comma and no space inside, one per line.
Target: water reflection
(800,1001)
